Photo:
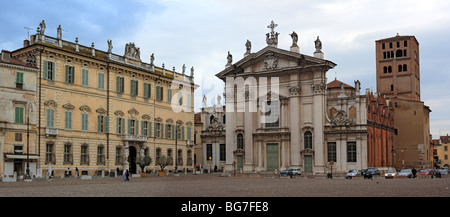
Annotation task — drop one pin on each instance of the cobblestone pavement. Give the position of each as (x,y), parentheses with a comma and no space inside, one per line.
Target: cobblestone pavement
(212,185)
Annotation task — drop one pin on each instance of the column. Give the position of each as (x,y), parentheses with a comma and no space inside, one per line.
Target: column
(294,108)
(248,141)
(126,152)
(229,139)
(318,122)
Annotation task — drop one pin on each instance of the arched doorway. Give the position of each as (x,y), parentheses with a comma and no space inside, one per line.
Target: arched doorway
(132,159)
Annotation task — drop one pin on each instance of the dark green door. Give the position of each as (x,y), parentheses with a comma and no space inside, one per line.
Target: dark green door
(240,163)
(308,164)
(272,156)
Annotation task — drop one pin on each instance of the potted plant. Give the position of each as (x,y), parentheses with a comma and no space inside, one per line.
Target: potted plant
(143,162)
(163,162)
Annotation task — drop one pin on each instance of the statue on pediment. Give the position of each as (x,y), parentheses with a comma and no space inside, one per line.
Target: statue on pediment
(248,46)
(110,46)
(133,52)
(42,27)
(318,44)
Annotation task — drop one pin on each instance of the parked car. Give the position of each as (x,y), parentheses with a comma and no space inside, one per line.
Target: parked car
(390,174)
(371,172)
(405,172)
(425,172)
(443,171)
(285,173)
(296,171)
(352,173)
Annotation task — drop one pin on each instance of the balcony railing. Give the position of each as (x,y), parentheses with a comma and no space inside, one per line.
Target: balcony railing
(51,131)
(135,138)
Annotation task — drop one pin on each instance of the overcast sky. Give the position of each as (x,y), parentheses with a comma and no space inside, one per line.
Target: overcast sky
(199,33)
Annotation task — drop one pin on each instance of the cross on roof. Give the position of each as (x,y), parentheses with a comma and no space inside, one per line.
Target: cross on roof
(272,26)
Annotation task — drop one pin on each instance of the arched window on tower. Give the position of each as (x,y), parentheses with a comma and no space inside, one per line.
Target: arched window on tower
(308,139)
(405,68)
(385,70)
(390,69)
(399,53)
(404,53)
(400,68)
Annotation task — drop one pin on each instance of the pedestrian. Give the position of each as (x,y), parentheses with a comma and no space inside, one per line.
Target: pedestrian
(124,175)
(414,171)
(215,168)
(76,172)
(127,174)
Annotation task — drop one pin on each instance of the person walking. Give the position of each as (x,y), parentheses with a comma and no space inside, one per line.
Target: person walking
(414,171)
(124,175)
(127,174)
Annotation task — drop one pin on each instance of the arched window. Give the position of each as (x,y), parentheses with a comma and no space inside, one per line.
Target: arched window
(240,141)
(400,68)
(404,53)
(169,155)
(385,70)
(405,68)
(158,155)
(384,55)
(308,139)
(390,69)
(399,53)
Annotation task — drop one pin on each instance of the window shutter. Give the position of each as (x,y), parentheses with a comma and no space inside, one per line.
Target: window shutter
(117,84)
(123,126)
(136,88)
(53,70)
(142,128)
(129,126)
(45,69)
(19,77)
(189,133)
(162,131)
(132,87)
(117,125)
(182,133)
(99,123)
(162,93)
(66,120)
(173,132)
(145,91)
(106,124)
(169,95)
(149,129)
(136,131)
(67,74)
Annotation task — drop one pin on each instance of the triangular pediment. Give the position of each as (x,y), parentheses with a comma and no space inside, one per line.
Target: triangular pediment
(272,60)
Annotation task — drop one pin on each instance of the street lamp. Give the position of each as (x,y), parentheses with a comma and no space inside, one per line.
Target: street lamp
(29,110)
(176,148)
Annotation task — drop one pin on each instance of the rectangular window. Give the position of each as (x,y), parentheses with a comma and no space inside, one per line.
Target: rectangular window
(68,120)
(272,116)
(18,137)
(383,46)
(120,82)
(49,70)
(100,155)
(169,95)
(157,130)
(68,154)
(103,124)
(70,74)
(50,118)
(169,131)
(49,155)
(144,128)
(147,90)
(208,151)
(19,80)
(84,122)
(131,127)
(101,81)
(84,155)
(222,152)
(119,156)
(351,151)
(331,151)
(188,134)
(85,77)
(405,43)
(159,93)
(19,115)
(120,126)
(445,148)
(134,88)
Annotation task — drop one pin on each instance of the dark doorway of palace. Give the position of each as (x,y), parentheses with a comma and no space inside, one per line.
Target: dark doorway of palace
(132,159)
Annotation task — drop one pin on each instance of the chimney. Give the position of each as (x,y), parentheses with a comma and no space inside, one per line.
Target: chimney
(6,55)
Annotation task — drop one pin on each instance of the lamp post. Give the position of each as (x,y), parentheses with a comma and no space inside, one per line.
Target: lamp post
(176,148)
(29,107)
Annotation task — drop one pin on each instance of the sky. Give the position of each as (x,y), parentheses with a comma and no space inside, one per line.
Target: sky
(200,33)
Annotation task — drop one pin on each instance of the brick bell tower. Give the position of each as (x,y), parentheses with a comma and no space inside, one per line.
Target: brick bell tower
(398,68)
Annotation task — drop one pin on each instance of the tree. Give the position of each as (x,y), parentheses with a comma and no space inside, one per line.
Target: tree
(163,162)
(144,161)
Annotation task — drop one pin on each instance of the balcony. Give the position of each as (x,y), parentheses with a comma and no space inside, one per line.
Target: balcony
(135,138)
(51,132)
